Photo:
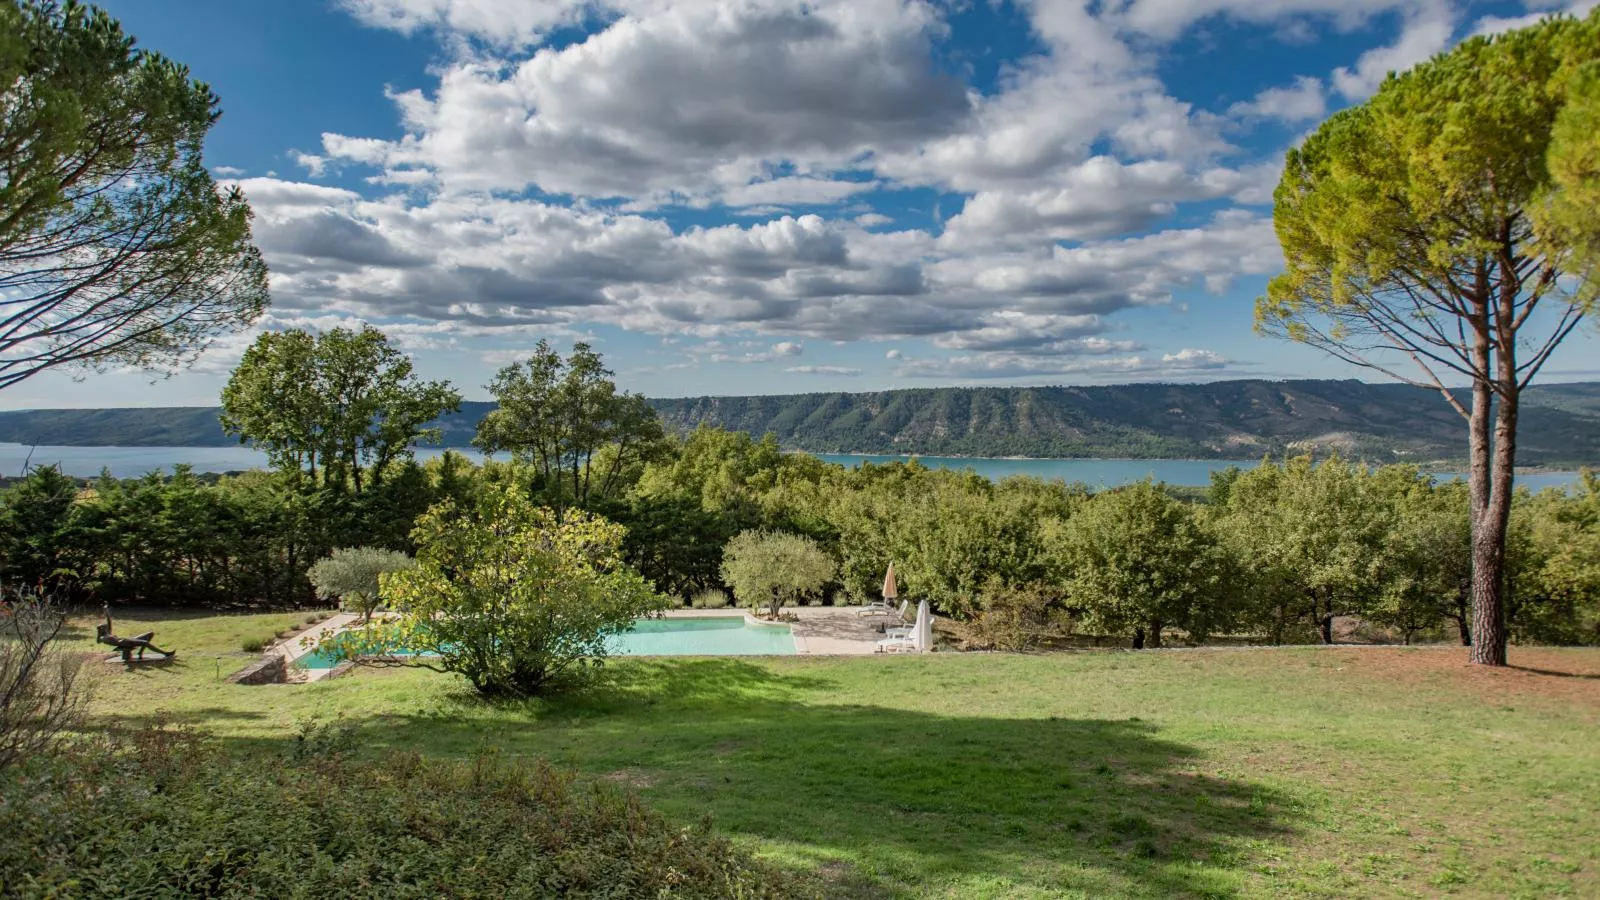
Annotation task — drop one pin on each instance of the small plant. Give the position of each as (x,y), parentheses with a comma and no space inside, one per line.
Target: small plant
(323,740)
(710,598)
(253,645)
(313,619)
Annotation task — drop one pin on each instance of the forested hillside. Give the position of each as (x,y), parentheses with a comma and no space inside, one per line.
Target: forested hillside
(1560,423)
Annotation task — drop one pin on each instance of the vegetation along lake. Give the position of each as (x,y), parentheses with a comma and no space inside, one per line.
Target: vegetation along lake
(128,462)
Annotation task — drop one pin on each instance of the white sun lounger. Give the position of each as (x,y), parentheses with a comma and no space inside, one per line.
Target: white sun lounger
(879,607)
(903,644)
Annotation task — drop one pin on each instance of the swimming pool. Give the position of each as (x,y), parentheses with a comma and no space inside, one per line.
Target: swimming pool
(703,636)
(698,636)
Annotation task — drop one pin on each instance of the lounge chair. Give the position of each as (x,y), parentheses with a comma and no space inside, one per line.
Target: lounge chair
(876,608)
(904,629)
(905,644)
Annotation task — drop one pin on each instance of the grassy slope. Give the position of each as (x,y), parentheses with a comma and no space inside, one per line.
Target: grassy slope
(1217,773)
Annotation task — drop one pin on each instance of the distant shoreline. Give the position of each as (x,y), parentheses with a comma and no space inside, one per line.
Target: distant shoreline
(1449,465)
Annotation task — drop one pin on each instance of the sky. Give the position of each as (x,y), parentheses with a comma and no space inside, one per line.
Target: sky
(768,197)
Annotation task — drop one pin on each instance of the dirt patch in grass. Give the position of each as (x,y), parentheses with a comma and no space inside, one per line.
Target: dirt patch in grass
(636,779)
(1535,672)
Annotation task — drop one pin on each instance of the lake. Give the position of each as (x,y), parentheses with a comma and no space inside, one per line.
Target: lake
(128,462)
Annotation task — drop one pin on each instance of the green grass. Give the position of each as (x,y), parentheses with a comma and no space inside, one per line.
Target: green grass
(1387,772)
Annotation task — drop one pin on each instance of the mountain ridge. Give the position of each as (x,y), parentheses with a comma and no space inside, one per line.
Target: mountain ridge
(1560,423)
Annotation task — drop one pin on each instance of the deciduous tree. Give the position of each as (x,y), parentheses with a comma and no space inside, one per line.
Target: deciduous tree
(343,400)
(567,418)
(1136,562)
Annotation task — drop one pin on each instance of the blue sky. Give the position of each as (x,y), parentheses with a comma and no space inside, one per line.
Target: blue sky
(763,196)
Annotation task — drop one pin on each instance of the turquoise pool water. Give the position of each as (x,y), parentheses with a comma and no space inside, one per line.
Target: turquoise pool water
(726,636)
(707,636)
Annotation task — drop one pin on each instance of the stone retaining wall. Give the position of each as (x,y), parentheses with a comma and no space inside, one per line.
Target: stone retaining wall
(270,669)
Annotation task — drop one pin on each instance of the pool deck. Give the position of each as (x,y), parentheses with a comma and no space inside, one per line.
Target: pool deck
(818,630)
(300,644)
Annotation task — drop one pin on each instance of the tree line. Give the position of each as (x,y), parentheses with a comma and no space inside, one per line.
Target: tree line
(1278,554)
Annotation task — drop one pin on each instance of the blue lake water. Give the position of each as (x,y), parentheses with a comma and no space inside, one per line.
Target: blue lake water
(128,462)
(1113,472)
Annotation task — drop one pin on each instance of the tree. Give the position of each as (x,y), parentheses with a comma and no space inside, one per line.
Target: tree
(773,569)
(343,399)
(1426,555)
(1554,592)
(508,596)
(38,537)
(1447,224)
(1310,542)
(1135,561)
(558,415)
(353,575)
(116,247)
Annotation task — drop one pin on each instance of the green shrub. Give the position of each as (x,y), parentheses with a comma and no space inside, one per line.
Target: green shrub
(253,645)
(1019,617)
(313,619)
(710,598)
(166,815)
(510,595)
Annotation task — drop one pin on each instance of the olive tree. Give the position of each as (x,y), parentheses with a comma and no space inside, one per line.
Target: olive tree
(353,575)
(116,246)
(771,569)
(1445,231)
(506,594)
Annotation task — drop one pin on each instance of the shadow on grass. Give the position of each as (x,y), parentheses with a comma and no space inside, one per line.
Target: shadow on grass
(901,801)
(1556,673)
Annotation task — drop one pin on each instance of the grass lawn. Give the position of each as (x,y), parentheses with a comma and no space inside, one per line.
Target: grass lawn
(1324,773)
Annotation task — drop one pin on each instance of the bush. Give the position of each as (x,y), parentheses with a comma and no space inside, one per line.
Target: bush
(253,645)
(508,595)
(41,695)
(710,598)
(166,815)
(1019,618)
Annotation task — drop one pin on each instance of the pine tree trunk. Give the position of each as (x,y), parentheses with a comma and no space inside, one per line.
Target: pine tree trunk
(1489,542)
